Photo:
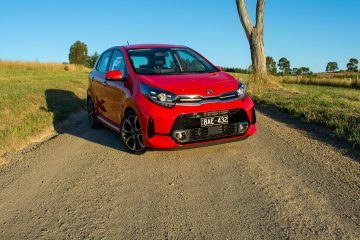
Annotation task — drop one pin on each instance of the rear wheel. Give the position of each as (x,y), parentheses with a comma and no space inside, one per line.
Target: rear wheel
(93,121)
(130,133)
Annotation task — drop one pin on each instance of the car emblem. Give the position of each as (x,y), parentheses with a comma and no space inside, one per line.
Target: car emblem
(209,91)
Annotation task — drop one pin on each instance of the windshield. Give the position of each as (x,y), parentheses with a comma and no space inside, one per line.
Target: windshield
(159,61)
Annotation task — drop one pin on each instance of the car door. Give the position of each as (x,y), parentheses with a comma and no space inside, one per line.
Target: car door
(99,84)
(116,90)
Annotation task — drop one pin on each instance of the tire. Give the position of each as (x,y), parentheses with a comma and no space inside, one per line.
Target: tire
(130,133)
(93,121)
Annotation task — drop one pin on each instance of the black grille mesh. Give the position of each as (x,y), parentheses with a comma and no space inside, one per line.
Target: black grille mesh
(191,124)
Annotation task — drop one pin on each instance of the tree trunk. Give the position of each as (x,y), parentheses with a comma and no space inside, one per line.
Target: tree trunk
(258,57)
(255,36)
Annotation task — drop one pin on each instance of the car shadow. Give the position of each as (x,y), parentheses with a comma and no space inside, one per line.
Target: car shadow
(315,131)
(63,103)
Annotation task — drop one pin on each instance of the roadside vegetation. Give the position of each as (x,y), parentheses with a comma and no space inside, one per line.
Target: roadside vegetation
(35,95)
(335,107)
(346,80)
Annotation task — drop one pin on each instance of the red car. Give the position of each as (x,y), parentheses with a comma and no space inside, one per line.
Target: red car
(165,96)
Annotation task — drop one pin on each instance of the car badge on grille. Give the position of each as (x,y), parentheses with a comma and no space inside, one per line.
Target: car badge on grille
(209,91)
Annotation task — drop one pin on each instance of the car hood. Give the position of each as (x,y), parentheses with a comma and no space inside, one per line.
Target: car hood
(199,84)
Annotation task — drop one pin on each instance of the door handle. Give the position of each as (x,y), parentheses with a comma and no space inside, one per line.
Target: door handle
(92,78)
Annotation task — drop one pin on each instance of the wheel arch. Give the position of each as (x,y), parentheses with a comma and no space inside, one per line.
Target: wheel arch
(89,96)
(128,109)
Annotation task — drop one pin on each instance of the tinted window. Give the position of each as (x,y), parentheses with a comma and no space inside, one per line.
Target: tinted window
(190,63)
(117,62)
(137,61)
(154,61)
(105,58)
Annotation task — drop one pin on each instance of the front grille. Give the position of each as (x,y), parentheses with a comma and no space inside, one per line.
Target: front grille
(192,120)
(197,99)
(211,114)
(214,132)
(189,124)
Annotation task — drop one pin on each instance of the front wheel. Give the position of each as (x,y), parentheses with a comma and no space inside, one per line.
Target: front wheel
(130,133)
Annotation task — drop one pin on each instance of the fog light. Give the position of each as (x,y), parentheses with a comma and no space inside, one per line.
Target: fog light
(243,126)
(180,135)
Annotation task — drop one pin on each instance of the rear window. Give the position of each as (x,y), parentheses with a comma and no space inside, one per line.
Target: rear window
(138,61)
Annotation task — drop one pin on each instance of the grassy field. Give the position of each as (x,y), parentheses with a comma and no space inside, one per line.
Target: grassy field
(335,107)
(33,96)
(347,80)
(332,81)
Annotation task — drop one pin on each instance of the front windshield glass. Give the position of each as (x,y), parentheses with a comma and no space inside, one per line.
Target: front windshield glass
(159,61)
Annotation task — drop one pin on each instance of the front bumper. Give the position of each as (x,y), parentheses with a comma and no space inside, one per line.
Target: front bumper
(160,123)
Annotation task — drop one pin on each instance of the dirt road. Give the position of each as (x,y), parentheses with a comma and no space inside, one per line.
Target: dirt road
(279,184)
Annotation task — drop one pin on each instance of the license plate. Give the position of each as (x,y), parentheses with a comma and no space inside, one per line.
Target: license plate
(217,120)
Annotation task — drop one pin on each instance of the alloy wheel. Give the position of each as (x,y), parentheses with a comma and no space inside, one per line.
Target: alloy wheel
(131,133)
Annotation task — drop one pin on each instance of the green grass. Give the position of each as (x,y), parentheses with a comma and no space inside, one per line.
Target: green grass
(334,107)
(33,96)
(338,107)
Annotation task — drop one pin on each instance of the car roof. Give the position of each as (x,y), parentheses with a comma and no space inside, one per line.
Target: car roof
(136,46)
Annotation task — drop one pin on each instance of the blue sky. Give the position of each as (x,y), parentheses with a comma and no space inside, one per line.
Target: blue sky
(307,32)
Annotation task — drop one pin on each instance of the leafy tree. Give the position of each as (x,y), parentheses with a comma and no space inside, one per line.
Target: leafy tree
(352,66)
(255,36)
(91,60)
(304,70)
(284,65)
(271,65)
(295,71)
(78,53)
(301,71)
(332,67)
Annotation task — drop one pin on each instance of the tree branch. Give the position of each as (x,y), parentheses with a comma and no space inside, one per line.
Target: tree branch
(244,18)
(260,16)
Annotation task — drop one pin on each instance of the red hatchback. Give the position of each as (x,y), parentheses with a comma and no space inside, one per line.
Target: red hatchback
(165,96)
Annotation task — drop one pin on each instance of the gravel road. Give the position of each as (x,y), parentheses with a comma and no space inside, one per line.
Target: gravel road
(281,183)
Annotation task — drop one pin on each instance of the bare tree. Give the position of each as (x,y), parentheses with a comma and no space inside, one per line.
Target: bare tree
(255,36)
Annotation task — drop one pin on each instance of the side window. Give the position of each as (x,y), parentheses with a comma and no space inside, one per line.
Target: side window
(105,58)
(117,62)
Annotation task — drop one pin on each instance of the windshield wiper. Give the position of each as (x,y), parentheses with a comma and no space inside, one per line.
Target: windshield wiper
(197,72)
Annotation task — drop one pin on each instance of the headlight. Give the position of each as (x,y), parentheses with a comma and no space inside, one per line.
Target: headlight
(158,96)
(241,91)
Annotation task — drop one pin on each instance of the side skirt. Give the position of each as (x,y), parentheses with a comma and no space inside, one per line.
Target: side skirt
(108,123)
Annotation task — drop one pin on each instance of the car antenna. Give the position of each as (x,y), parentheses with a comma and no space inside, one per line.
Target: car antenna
(128,42)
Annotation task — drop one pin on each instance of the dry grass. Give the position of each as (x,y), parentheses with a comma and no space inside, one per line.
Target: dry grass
(16,65)
(323,81)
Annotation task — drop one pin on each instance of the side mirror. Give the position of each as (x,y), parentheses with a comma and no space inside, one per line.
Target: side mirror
(218,68)
(115,75)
